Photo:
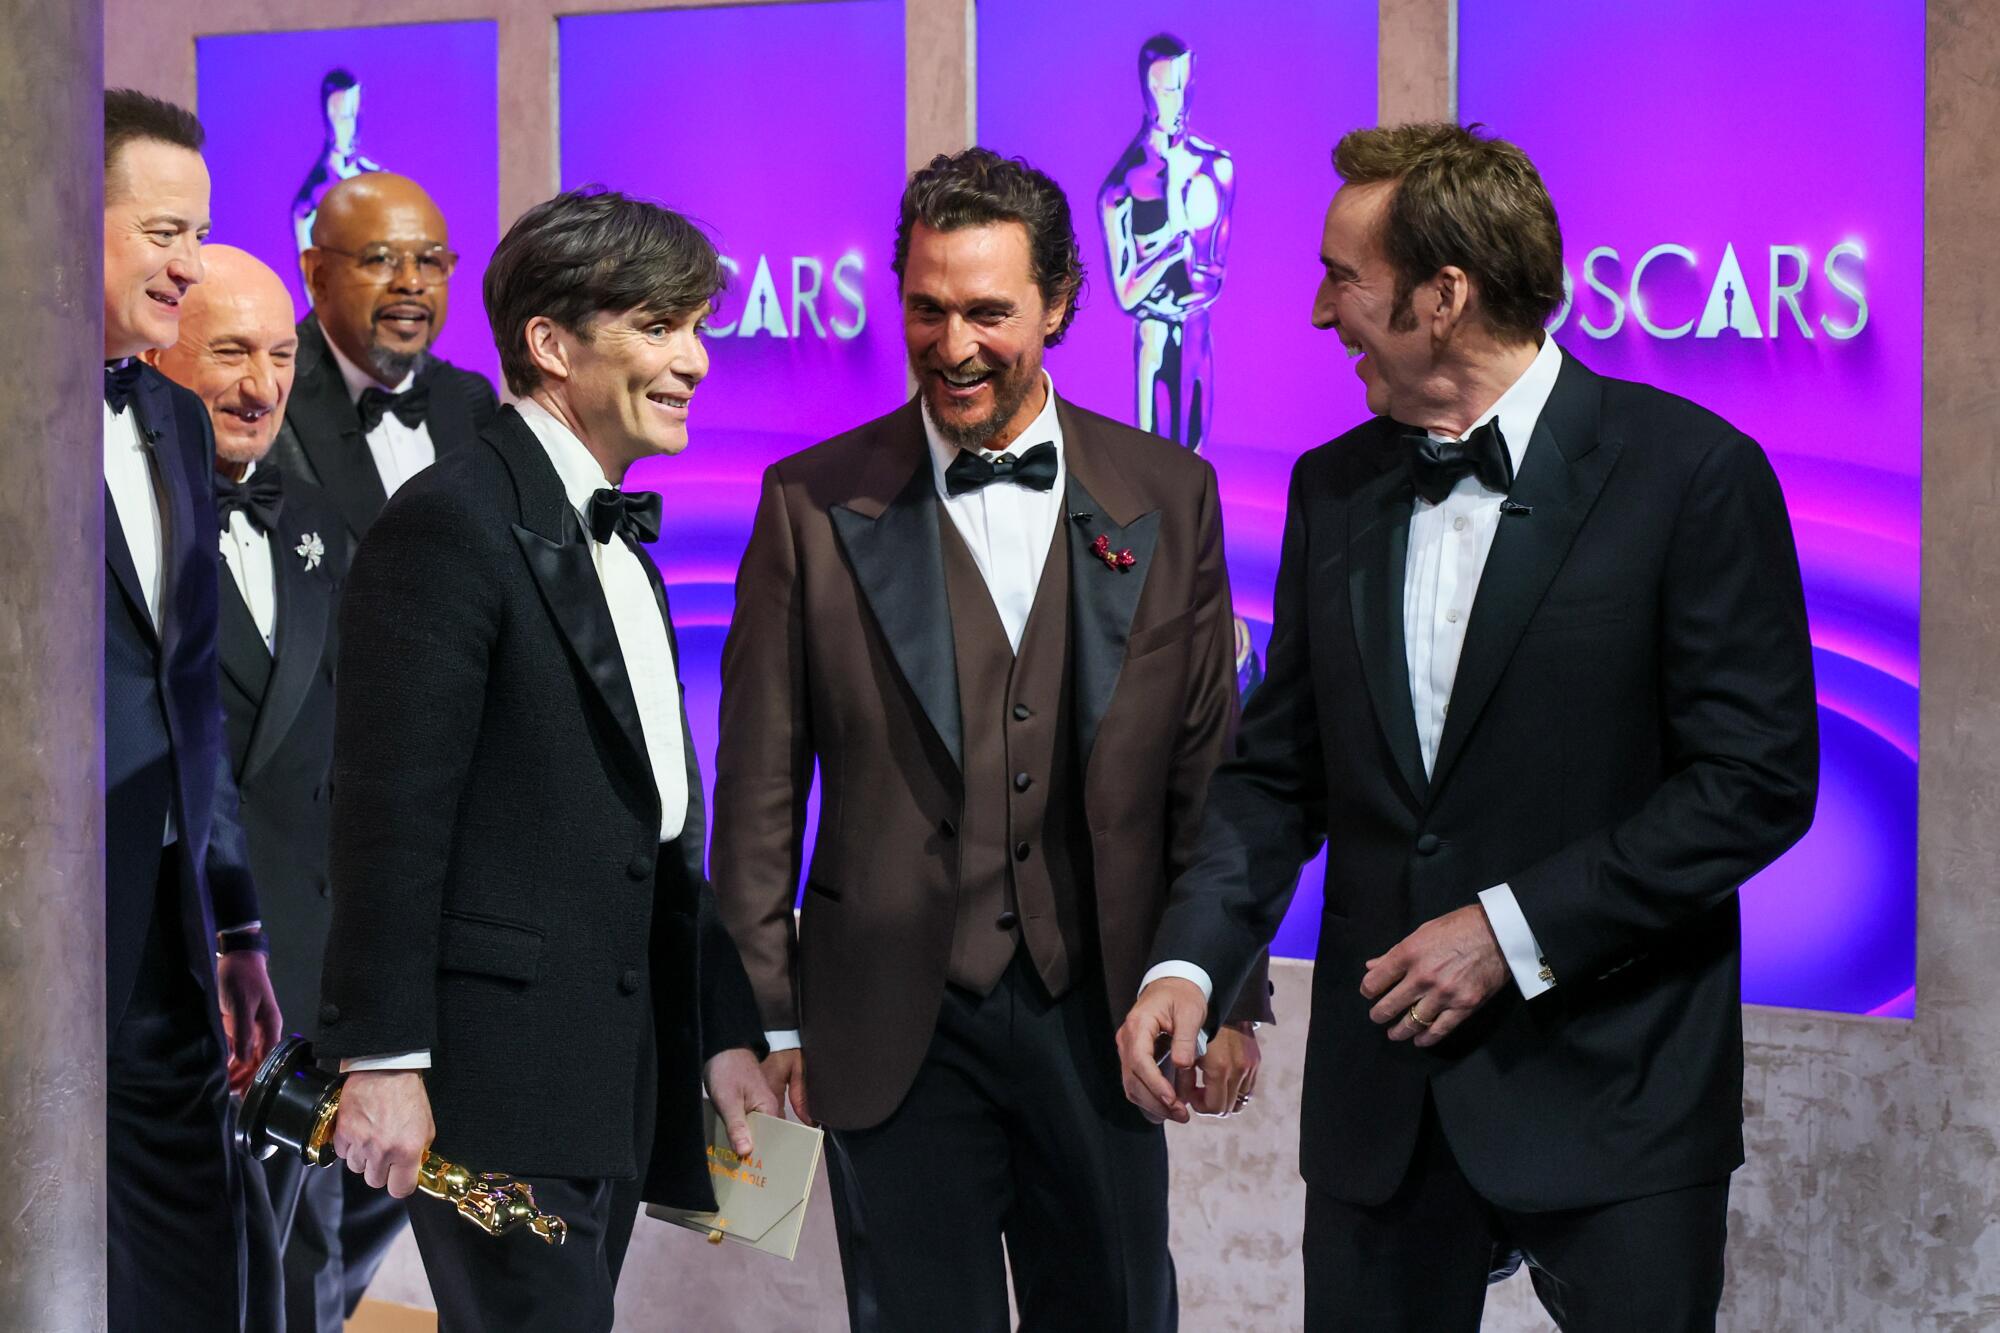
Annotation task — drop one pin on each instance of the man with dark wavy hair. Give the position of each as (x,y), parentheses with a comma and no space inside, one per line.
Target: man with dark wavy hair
(1540,679)
(523,940)
(1000,627)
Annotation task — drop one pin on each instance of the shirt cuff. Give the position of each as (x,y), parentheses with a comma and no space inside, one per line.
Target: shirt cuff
(1174,967)
(368,1064)
(788,1040)
(1517,941)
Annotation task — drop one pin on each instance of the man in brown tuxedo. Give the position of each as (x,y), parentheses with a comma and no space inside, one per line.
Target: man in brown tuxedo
(1000,627)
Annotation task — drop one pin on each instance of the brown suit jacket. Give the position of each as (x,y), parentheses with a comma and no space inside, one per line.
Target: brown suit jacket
(840,655)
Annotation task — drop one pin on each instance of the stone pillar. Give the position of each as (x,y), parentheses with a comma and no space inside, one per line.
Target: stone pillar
(1417,61)
(51,668)
(940,109)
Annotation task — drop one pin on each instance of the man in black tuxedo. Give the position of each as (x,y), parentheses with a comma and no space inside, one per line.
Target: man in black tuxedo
(1540,677)
(185,980)
(284,553)
(523,937)
(372,406)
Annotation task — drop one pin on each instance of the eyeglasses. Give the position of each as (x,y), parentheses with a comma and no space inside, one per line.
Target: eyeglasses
(379,263)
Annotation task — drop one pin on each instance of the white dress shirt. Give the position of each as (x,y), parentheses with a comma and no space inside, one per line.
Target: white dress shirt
(1007,527)
(128,475)
(247,553)
(1449,543)
(400,452)
(642,642)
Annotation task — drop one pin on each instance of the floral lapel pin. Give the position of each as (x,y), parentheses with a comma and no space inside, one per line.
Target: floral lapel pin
(312,548)
(1121,560)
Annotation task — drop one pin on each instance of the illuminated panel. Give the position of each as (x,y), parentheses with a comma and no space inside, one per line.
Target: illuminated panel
(780,129)
(1741,194)
(1198,182)
(289,114)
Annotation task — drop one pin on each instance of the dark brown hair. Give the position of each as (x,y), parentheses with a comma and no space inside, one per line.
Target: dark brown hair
(977,188)
(130,115)
(1468,200)
(590,251)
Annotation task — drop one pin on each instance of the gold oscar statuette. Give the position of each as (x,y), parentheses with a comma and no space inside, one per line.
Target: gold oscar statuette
(292,1105)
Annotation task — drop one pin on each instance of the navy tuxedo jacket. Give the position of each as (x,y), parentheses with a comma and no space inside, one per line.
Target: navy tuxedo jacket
(163,734)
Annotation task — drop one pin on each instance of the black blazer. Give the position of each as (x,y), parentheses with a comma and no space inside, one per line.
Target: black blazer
(500,894)
(278,708)
(321,436)
(163,744)
(1632,734)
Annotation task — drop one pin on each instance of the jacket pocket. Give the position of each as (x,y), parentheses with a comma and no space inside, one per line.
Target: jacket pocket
(489,946)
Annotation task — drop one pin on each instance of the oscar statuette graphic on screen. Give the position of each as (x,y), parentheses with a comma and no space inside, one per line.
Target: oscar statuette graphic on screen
(1165,214)
(340,158)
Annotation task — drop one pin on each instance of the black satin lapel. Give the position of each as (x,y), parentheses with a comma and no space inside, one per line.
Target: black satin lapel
(177,526)
(575,598)
(239,647)
(305,605)
(1378,547)
(899,563)
(1102,601)
(1527,551)
(329,434)
(118,556)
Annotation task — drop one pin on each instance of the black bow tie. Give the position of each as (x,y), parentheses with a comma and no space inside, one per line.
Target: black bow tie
(1436,465)
(410,406)
(1035,469)
(120,379)
(260,497)
(636,514)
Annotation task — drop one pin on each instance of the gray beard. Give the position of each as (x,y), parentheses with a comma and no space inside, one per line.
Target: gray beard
(390,367)
(980,434)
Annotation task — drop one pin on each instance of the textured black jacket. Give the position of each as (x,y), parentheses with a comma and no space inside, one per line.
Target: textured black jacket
(500,894)
(1632,734)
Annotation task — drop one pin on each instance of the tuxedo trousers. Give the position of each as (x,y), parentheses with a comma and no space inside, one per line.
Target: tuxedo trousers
(519,1283)
(1421,1262)
(333,1232)
(174,1236)
(1016,1130)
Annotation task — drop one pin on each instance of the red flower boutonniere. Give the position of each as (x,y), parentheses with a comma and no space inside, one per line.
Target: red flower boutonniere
(1120,560)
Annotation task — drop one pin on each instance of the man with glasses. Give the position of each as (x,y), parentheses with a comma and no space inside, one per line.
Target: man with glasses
(372,406)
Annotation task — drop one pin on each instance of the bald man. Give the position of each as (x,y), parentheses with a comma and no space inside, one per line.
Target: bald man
(373,406)
(284,550)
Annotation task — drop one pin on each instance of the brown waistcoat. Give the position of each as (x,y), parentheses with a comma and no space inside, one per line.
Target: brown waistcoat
(1023,851)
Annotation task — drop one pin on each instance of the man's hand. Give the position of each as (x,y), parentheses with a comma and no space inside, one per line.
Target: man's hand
(1228,1072)
(736,1085)
(1443,971)
(785,1070)
(1171,1007)
(250,1017)
(384,1127)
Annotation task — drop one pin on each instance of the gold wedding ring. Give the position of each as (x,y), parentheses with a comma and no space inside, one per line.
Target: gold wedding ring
(1417,1018)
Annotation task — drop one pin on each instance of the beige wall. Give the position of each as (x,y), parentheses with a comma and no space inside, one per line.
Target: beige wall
(1874,1174)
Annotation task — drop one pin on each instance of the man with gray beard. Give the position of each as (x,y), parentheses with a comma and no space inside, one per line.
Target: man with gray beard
(373,406)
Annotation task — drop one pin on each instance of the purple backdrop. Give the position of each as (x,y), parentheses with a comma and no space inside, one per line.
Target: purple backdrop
(798,183)
(429,110)
(1273,83)
(1804,172)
